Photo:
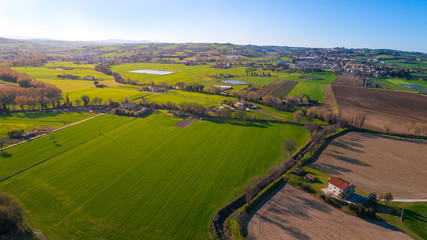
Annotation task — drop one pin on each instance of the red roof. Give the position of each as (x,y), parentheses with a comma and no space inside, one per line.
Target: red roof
(341,184)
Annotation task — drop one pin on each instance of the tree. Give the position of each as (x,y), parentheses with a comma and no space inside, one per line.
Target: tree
(53,138)
(241,114)
(311,127)
(289,146)
(3,142)
(85,100)
(11,213)
(358,119)
(387,126)
(254,117)
(387,197)
(372,197)
(78,102)
(298,116)
(407,127)
(67,101)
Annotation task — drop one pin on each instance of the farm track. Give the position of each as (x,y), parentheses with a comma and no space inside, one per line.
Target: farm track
(55,130)
(60,153)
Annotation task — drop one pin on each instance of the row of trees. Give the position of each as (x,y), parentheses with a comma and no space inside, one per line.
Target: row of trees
(36,94)
(8,75)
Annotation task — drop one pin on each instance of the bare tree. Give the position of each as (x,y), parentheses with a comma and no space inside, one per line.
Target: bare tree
(387,126)
(2,143)
(298,116)
(289,146)
(311,127)
(358,119)
(407,127)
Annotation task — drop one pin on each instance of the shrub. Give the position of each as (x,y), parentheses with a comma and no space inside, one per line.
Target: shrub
(15,134)
(11,213)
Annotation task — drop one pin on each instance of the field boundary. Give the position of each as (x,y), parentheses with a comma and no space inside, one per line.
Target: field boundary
(55,130)
(244,209)
(36,164)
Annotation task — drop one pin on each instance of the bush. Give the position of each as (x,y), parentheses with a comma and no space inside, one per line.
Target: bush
(322,196)
(15,134)
(11,213)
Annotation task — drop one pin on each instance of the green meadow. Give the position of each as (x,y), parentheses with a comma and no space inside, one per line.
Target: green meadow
(182,73)
(416,218)
(30,120)
(327,77)
(395,82)
(78,88)
(313,90)
(140,178)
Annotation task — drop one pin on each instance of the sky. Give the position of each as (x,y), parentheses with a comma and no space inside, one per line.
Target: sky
(392,24)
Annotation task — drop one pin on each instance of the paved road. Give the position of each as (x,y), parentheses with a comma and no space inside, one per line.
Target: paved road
(13,145)
(409,200)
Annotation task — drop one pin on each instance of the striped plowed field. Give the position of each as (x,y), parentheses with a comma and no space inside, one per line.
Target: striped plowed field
(290,213)
(271,87)
(284,89)
(349,80)
(380,106)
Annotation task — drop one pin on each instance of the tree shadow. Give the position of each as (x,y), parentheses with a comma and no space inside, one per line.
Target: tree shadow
(242,124)
(4,154)
(350,160)
(347,145)
(330,169)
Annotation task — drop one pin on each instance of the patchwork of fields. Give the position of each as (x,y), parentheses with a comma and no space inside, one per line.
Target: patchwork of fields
(142,178)
(182,73)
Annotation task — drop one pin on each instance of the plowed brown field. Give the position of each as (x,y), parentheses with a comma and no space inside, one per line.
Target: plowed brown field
(291,213)
(380,105)
(378,163)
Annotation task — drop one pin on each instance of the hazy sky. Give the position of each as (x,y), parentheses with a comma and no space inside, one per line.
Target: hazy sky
(391,24)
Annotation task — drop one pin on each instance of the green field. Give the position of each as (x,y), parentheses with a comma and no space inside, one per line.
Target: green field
(313,90)
(30,120)
(177,96)
(416,218)
(78,88)
(182,73)
(395,82)
(51,73)
(142,178)
(327,76)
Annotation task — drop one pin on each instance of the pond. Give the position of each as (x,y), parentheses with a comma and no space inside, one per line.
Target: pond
(411,86)
(147,71)
(311,78)
(235,82)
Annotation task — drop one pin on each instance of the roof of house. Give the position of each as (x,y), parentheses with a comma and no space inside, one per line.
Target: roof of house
(341,184)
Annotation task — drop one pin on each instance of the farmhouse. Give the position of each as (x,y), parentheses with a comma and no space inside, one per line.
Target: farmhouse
(127,106)
(337,185)
(240,104)
(90,78)
(154,89)
(143,112)
(223,87)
